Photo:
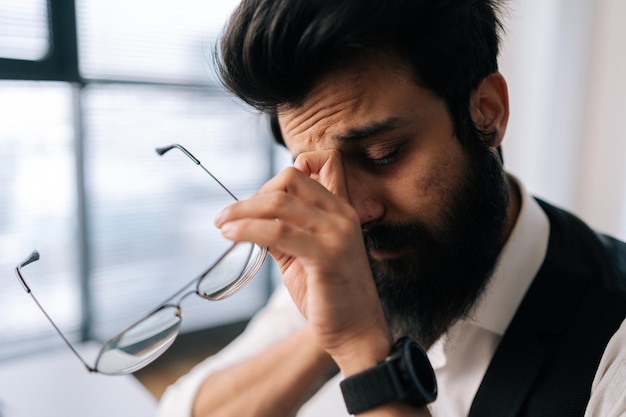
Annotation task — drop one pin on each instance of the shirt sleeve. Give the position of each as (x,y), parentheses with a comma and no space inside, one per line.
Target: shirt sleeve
(276,321)
(608,391)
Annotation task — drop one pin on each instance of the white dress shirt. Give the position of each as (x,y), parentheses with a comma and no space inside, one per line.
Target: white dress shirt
(459,358)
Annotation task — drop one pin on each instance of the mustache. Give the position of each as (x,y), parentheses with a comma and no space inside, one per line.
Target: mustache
(397,236)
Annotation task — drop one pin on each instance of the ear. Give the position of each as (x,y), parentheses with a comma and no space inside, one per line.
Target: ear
(489,106)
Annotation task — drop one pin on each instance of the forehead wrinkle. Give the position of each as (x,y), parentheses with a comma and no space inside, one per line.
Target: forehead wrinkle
(314,113)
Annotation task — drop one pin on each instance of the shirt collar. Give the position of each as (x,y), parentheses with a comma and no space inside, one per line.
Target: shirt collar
(519,262)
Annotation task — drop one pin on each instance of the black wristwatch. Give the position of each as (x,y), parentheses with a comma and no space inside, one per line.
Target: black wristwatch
(405,375)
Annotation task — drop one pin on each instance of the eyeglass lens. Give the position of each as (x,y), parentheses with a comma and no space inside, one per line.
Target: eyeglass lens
(140,344)
(230,273)
(148,339)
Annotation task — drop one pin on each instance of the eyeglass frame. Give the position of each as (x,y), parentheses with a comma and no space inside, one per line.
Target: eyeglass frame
(180,294)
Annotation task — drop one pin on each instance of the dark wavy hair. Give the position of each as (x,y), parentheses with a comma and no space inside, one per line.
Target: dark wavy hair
(272,52)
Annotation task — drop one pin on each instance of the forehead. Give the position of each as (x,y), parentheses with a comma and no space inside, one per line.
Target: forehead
(369,96)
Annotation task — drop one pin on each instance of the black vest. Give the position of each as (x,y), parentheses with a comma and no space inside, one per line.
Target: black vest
(549,354)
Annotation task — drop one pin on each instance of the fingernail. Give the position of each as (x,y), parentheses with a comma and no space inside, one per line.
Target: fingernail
(226,229)
(218,218)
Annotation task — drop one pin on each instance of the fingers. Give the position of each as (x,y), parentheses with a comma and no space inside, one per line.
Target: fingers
(269,217)
(290,196)
(298,184)
(292,193)
(326,167)
(296,208)
(281,236)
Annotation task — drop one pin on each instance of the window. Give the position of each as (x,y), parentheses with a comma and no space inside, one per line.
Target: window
(118,227)
(24,29)
(38,207)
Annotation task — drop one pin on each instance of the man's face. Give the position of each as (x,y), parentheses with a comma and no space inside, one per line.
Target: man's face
(431,238)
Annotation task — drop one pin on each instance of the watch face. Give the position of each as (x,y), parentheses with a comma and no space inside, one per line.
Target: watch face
(420,372)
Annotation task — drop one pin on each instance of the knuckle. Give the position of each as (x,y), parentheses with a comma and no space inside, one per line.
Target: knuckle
(346,227)
(300,162)
(290,174)
(278,200)
(280,230)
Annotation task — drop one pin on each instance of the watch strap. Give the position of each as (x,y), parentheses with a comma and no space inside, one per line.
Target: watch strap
(371,388)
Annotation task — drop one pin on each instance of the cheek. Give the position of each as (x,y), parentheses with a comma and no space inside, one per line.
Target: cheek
(424,192)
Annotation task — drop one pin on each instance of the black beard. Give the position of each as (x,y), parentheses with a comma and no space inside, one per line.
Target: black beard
(441,274)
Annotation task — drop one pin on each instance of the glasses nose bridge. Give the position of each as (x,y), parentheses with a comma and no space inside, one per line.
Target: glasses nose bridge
(183,296)
(177,299)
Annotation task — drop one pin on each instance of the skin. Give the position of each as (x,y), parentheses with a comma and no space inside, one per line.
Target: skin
(369,145)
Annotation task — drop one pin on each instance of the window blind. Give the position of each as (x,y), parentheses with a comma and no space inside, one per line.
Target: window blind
(24,30)
(151,217)
(154,40)
(37,211)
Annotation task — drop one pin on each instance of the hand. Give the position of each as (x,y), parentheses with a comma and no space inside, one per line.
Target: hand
(304,216)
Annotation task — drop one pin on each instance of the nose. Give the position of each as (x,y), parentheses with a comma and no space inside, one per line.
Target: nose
(364,196)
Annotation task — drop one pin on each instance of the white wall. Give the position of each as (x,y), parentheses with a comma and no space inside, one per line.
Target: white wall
(565,62)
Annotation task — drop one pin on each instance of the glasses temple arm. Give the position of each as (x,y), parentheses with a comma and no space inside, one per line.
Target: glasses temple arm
(34,256)
(163,150)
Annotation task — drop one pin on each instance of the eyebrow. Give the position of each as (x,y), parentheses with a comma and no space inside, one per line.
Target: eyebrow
(367,131)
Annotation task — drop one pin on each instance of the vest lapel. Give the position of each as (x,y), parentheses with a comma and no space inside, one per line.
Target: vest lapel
(510,376)
(545,311)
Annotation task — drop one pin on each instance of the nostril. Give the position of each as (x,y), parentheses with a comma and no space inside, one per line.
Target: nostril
(369,210)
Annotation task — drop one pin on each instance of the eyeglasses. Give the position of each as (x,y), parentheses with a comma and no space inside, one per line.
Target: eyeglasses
(147,339)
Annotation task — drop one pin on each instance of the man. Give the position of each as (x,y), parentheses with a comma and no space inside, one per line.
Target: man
(397,220)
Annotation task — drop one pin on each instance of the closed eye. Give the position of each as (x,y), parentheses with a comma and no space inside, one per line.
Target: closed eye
(386,158)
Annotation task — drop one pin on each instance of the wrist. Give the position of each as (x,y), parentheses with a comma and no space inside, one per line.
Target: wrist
(308,341)
(361,353)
